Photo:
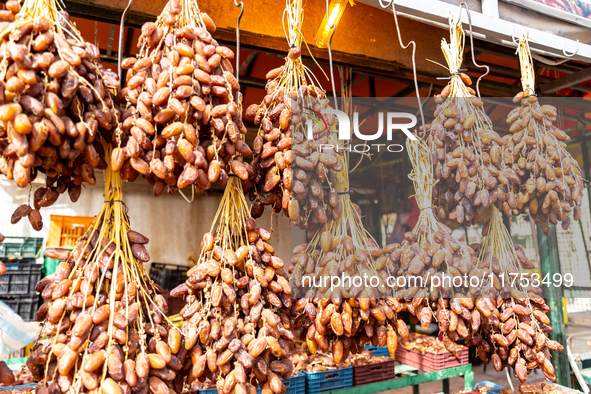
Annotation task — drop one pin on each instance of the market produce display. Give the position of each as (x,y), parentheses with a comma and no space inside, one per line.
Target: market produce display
(236,328)
(182,126)
(549,185)
(538,388)
(55,104)
(320,361)
(104,323)
(20,390)
(467,160)
(425,344)
(291,172)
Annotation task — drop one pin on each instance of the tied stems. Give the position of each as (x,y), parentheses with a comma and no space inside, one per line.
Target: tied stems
(423,182)
(526,65)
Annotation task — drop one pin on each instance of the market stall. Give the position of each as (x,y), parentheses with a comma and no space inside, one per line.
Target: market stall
(187,167)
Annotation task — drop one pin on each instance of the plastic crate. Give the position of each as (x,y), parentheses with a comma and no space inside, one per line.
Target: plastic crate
(168,276)
(430,362)
(380,351)
(15,364)
(319,382)
(65,231)
(495,387)
(208,391)
(21,278)
(24,386)
(371,373)
(20,247)
(294,385)
(25,306)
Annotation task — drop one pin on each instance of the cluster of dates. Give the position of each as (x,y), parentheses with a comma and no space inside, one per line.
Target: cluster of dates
(549,185)
(55,106)
(467,160)
(291,173)
(182,126)
(104,323)
(343,326)
(235,325)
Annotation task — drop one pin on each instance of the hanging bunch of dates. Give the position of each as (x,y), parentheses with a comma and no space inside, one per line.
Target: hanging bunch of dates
(291,173)
(549,186)
(104,324)
(514,335)
(236,328)
(181,126)
(55,104)
(342,317)
(466,151)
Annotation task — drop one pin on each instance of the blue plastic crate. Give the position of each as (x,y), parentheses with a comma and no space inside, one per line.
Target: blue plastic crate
(495,387)
(208,391)
(294,385)
(18,387)
(378,351)
(319,382)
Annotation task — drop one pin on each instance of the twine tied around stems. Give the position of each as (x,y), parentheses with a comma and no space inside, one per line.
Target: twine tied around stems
(423,181)
(454,51)
(526,65)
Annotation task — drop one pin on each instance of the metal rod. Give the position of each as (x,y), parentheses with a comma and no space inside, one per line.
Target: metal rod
(121,33)
(334,91)
(241,5)
(472,49)
(550,264)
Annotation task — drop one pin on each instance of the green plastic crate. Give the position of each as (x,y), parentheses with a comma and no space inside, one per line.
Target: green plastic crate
(20,247)
(50,265)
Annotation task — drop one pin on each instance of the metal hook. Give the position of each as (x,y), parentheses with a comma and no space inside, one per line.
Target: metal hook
(571,55)
(515,41)
(121,33)
(414,66)
(472,48)
(334,91)
(241,5)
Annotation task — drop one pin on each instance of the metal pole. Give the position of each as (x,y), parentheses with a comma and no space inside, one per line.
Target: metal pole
(549,264)
(586,166)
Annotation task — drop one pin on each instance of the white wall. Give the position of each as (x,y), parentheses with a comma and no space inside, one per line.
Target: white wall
(174,227)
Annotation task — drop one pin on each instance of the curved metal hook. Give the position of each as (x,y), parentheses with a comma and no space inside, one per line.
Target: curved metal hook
(472,48)
(121,31)
(515,40)
(414,66)
(571,55)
